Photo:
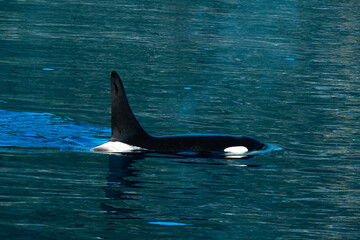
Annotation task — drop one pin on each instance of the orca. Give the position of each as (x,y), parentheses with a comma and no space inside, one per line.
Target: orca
(127,135)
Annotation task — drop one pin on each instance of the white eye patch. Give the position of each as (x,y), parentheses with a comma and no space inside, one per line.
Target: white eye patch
(236,150)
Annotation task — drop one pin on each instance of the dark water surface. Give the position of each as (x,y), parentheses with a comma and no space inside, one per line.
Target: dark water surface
(285,72)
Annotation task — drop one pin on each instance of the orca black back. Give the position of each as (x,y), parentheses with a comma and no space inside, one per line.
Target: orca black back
(127,134)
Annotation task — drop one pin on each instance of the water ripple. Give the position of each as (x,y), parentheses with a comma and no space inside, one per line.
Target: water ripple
(27,131)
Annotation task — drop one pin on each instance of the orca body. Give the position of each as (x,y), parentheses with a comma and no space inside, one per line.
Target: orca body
(127,135)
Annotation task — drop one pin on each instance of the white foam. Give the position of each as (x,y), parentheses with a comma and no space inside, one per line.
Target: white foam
(116,147)
(236,150)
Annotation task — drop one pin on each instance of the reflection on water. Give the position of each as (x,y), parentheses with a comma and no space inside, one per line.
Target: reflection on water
(133,195)
(124,187)
(119,188)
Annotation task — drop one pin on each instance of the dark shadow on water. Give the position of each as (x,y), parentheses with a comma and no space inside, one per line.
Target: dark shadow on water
(123,182)
(120,168)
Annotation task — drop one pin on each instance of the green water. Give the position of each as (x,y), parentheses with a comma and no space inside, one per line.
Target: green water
(284,72)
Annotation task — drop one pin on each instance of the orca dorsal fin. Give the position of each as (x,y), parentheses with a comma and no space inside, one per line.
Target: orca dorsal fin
(124,126)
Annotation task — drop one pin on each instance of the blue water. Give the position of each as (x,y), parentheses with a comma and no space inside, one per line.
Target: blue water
(26,131)
(284,72)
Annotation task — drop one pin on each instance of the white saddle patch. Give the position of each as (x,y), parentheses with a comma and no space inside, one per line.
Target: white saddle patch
(116,147)
(236,150)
